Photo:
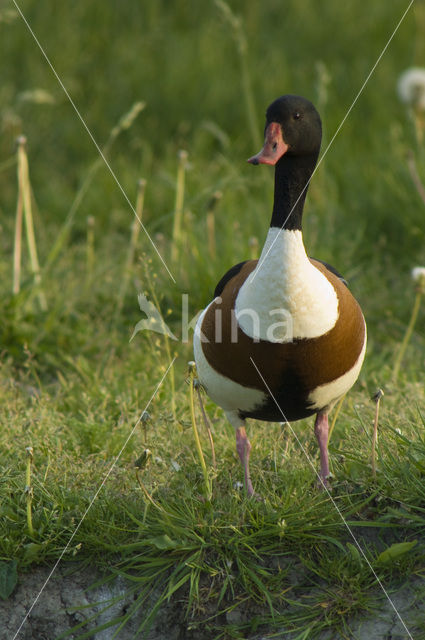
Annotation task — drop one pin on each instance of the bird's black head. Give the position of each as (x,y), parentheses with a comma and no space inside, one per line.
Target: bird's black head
(293,127)
(300,123)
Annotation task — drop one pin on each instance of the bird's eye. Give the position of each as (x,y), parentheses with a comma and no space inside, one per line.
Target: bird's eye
(297,115)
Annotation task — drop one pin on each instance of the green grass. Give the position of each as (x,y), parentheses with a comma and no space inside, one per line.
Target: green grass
(72,385)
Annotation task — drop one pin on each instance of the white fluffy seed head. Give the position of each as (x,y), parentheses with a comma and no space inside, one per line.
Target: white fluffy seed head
(411,88)
(418,276)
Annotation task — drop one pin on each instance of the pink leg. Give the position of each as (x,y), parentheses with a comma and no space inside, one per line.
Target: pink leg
(321,429)
(243,447)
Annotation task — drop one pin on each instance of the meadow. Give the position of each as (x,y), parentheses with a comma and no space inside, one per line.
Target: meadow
(174,97)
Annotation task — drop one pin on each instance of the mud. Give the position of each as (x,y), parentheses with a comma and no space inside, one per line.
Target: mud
(69,599)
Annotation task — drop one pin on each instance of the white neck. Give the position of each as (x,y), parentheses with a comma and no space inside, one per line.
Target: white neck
(286,297)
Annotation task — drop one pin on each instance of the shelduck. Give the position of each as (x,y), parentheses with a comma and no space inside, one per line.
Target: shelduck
(283,338)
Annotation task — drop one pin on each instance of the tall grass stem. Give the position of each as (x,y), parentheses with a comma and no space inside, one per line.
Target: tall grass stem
(411,163)
(25,189)
(377,397)
(28,489)
(207,423)
(407,335)
(172,377)
(207,482)
(335,416)
(253,247)
(90,259)
(17,248)
(135,231)
(178,208)
(211,234)
(211,242)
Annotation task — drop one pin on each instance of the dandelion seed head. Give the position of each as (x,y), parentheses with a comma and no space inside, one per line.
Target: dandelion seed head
(175,465)
(411,88)
(418,276)
(418,273)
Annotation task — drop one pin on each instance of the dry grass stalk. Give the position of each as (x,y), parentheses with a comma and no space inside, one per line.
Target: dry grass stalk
(335,416)
(411,163)
(124,123)
(25,194)
(253,247)
(207,482)
(418,275)
(211,223)
(135,231)
(17,250)
(28,489)
(377,397)
(90,250)
(178,209)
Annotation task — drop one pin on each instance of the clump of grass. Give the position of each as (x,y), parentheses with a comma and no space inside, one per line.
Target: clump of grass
(141,464)
(247,565)
(229,561)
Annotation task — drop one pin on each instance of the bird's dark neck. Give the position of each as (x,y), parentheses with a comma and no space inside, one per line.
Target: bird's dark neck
(292,174)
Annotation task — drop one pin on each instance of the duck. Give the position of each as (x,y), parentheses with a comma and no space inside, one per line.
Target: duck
(283,337)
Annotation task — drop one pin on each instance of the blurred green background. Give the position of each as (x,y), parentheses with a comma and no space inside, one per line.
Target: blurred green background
(206,71)
(182,60)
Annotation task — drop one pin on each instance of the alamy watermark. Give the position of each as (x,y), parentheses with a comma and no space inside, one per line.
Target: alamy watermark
(274,326)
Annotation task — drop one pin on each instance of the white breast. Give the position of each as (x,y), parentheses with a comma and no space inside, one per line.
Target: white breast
(286,297)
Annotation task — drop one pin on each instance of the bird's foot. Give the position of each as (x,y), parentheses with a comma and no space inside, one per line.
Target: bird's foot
(324,482)
(251,494)
(249,488)
(257,497)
